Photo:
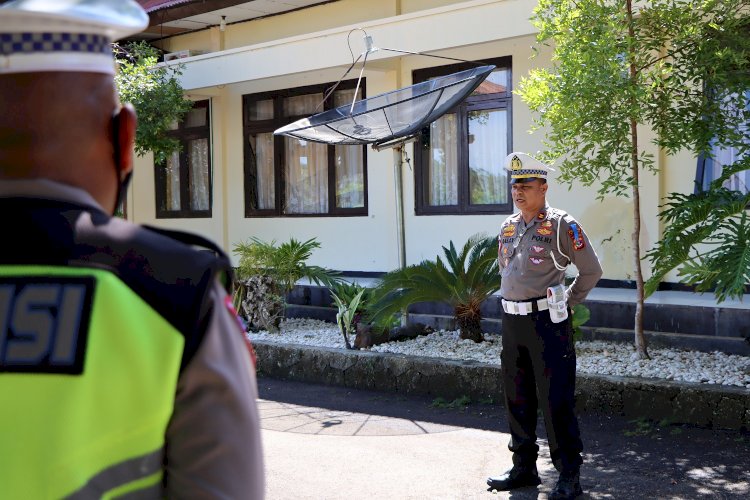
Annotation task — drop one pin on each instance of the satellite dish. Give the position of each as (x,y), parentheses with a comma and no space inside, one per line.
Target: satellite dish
(390,116)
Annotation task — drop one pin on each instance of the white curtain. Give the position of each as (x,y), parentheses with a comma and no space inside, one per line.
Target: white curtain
(199,174)
(443,162)
(262,148)
(487,149)
(306,177)
(306,169)
(261,110)
(172,175)
(350,180)
(727,156)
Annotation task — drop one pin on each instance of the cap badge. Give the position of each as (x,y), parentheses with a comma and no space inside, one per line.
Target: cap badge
(515,163)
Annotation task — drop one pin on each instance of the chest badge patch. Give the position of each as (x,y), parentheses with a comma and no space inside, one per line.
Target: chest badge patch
(576,236)
(509,230)
(546,224)
(536,260)
(537,249)
(544,231)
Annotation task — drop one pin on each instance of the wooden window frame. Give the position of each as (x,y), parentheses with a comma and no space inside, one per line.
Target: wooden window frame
(462,110)
(251,127)
(184,135)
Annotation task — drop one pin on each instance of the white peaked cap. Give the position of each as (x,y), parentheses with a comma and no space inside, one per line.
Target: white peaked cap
(65,35)
(524,168)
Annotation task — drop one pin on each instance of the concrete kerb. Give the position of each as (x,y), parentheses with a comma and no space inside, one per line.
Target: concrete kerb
(679,403)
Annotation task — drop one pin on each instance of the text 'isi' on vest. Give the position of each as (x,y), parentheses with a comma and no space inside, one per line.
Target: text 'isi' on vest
(44,323)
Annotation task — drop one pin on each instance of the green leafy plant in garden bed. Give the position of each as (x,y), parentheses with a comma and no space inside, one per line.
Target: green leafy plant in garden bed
(267,272)
(463,280)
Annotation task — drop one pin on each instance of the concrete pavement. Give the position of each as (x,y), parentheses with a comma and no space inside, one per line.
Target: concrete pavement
(324,442)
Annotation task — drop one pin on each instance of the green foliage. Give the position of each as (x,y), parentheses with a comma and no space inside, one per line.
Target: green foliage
(460,402)
(156,95)
(679,67)
(285,263)
(347,291)
(347,311)
(716,223)
(581,315)
(463,281)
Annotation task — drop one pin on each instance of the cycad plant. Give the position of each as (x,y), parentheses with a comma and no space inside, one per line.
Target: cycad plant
(464,280)
(267,273)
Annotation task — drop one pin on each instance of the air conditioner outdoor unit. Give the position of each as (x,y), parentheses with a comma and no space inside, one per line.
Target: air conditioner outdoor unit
(181,54)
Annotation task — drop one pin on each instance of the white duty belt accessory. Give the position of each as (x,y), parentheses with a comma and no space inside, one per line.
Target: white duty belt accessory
(524,308)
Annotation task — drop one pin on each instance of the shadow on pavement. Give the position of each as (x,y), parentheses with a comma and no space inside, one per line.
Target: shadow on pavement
(622,458)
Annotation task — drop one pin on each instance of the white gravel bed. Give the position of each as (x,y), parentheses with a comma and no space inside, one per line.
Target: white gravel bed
(594,357)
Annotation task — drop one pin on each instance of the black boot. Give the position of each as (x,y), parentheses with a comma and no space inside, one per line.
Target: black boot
(517,477)
(568,486)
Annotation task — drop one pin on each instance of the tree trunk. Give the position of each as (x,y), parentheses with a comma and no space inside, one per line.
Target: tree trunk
(469,324)
(640,339)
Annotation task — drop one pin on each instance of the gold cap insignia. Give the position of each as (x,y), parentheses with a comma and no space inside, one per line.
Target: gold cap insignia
(515,163)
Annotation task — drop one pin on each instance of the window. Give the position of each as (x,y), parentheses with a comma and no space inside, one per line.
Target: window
(292,177)
(711,168)
(459,157)
(183,182)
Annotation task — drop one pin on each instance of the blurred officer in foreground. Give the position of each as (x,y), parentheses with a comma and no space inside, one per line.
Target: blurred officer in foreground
(538,359)
(123,370)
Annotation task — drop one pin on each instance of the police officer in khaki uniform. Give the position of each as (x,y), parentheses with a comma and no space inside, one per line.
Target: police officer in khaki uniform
(124,371)
(538,358)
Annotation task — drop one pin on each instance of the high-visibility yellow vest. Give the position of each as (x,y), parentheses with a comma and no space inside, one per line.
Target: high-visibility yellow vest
(98,433)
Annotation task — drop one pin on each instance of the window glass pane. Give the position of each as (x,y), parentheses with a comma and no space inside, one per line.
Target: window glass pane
(495,83)
(442,169)
(488,181)
(722,157)
(172,176)
(196,117)
(725,155)
(263,196)
(303,104)
(342,97)
(306,177)
(199,174)
(350,179)
(261,110)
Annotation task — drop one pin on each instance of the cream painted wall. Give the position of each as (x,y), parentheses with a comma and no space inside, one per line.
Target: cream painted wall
(476,29)
(365,243)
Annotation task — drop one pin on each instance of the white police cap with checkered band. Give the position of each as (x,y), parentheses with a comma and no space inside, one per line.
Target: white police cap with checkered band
(65,35)
(525,168)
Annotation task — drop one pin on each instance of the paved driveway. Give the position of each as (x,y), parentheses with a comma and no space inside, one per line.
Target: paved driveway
(326,442)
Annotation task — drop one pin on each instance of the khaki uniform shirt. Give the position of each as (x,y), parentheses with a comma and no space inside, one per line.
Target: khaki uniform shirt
(527,256)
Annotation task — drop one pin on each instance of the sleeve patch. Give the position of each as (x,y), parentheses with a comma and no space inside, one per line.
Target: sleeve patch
(576,236)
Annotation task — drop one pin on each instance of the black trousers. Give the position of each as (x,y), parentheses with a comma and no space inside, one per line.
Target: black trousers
(538,364)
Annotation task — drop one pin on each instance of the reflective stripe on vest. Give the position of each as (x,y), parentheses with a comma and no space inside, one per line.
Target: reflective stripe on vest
(99,433)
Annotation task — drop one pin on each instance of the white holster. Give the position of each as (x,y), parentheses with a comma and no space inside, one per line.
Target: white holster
(558,303)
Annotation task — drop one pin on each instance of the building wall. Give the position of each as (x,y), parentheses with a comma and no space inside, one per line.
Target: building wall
(310,47)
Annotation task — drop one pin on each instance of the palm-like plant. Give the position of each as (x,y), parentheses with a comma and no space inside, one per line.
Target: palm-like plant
(463,281)
(267,273)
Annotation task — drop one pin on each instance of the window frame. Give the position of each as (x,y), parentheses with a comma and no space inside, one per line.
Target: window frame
(462,110)
(250,127)
(184,135)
